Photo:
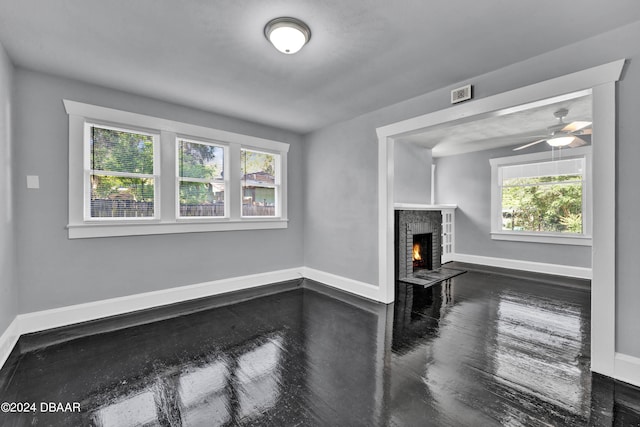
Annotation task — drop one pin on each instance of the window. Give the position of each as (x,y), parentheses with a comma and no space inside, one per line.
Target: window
(131,174)
(545,196)
(538,199)
(121,173)
(201,179)
(259,183)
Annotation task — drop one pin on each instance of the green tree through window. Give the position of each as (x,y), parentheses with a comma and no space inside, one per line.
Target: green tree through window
(201,174)
(543,204)
(543,196)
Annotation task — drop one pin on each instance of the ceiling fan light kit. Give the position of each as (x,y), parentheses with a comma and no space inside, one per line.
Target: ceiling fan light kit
(560,141)
(563,134)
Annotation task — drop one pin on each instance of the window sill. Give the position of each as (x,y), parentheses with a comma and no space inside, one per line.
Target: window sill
(542,238)
(92,230)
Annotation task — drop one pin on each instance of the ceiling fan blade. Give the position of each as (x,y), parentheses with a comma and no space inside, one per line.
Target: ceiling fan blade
(574,126)
(578,142)
(529,144)
(584,132)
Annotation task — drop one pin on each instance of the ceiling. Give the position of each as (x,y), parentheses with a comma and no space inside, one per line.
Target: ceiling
(363,55)
(513,127)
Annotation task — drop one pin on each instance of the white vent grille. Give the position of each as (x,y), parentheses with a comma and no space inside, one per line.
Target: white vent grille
(461,94)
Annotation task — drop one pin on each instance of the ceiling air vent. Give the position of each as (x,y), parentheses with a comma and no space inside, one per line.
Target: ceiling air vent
(461,94)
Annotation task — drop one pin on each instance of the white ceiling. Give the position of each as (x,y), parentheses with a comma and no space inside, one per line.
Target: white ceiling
(363,55)
(506,128)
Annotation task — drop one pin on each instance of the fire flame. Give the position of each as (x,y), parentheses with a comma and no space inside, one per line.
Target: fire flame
(416,252)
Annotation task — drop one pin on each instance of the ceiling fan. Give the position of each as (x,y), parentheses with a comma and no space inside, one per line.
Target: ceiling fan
(563,134)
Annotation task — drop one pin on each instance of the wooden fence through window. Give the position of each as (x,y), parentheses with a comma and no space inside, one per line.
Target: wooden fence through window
(107,208)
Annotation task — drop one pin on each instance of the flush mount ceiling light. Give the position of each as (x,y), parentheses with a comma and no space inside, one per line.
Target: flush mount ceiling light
(288,35)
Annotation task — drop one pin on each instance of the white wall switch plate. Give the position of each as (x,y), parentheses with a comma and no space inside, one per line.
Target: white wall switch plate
(33,181)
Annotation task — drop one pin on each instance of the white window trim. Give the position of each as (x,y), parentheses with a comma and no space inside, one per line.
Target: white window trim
(497,233)
(167,222)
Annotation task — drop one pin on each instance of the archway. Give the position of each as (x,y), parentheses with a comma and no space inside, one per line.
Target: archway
(601,80)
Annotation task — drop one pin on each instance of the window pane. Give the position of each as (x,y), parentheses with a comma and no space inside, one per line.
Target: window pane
(543,196)
(258,183)
(117,197)
(556,168)
(539,206)
(542,180)
(202,161)
(201,199)
(117,151)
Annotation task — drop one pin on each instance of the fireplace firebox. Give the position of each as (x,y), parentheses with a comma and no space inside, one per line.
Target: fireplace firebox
(422,251)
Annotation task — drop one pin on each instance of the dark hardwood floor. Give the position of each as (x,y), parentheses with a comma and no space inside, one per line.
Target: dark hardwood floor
(480,349)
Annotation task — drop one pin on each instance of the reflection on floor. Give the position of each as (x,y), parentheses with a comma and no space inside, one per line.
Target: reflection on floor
(477,349)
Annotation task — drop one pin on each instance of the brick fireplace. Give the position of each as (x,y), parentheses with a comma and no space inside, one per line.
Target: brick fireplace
(412,229)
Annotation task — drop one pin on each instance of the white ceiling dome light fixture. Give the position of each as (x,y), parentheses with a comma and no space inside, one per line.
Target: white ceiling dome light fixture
(288,35)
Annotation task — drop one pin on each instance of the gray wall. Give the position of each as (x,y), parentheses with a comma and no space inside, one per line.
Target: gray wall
(340,200)
(8,284)
(341,170)
(54,271)
(412,173)
(465,180)
(628,198)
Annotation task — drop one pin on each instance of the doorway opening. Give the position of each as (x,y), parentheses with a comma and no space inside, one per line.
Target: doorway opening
(601,80)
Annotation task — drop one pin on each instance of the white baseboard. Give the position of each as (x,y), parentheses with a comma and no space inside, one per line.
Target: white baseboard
(627,369)
(69,315)
(8,340)
(63,316)
(348,285)
(535,267)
